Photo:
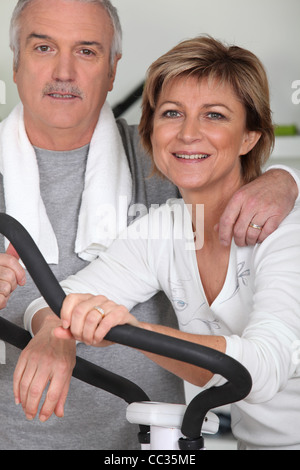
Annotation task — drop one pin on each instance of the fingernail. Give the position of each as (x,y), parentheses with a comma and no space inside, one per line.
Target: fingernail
(65,325)
(29,417)
(43,418)
(17,401)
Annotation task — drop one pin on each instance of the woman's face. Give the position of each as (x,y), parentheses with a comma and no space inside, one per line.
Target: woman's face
(199,134)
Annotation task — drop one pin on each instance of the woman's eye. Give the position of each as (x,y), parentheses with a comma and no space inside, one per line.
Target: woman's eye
(171,114)
(215,116)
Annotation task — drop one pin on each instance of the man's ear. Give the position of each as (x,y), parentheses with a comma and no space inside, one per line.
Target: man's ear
(114,71)
(14,67)
(250,140)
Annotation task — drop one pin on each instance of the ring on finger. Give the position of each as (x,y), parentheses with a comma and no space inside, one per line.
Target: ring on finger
(100,310)
(255,226)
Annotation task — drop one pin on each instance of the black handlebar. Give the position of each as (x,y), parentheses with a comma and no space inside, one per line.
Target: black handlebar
(239,381)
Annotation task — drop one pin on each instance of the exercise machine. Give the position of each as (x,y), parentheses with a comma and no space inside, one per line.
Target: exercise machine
(162,426)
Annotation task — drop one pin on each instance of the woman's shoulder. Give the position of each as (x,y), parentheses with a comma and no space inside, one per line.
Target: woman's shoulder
(284,241)
(293,218)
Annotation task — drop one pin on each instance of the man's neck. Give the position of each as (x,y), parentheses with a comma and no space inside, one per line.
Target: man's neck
(62,141)
(58,139)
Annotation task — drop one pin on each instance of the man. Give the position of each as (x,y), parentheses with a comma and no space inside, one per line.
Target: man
(64,163)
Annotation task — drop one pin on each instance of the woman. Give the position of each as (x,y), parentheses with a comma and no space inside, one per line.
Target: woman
(207,125)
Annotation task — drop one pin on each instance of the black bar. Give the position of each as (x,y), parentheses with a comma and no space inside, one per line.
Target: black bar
(239,381)
(120,108)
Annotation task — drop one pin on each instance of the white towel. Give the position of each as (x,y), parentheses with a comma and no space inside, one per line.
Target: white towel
(107,183)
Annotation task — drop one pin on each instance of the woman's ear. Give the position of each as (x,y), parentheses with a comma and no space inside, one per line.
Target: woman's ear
(250,140)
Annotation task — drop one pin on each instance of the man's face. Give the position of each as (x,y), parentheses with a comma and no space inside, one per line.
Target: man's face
(64,71)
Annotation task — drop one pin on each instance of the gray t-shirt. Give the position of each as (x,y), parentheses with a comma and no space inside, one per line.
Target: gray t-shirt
(93,419)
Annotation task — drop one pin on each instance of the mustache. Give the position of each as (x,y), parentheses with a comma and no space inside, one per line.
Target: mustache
(62,87)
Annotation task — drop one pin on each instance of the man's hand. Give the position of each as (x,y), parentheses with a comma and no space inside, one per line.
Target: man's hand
(11,274)
(264,202)
(45,360)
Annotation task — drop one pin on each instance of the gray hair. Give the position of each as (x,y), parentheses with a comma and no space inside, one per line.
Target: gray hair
(15,26)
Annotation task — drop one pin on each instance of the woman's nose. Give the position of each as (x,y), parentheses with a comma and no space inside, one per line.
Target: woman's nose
(190,130)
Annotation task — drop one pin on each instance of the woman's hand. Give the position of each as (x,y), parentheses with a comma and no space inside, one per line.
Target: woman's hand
(88,318)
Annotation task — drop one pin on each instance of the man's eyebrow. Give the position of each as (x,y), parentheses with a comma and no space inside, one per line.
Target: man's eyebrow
(78,43)
(90,43)
(38,36)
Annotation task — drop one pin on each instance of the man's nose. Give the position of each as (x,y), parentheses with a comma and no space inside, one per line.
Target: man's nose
(64,67)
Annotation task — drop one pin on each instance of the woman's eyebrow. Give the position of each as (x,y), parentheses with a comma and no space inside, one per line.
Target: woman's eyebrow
(168,102)
(212,105)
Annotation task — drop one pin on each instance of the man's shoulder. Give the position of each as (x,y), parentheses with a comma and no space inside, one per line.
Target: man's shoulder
(139,161)
(148,189)
(129,132)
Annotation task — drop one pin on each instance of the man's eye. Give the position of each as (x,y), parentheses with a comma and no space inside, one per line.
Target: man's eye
(86,52)
(43,48)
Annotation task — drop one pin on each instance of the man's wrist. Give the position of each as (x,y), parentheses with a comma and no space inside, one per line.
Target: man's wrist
(44,318)
(292,178)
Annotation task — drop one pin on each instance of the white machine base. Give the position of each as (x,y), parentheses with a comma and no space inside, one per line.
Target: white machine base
(165,420)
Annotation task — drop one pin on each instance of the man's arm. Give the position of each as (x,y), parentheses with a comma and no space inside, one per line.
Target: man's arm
(265,202)
(45,360)
(11,274)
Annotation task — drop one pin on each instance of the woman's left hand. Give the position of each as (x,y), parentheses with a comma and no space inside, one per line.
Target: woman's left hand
(88,318)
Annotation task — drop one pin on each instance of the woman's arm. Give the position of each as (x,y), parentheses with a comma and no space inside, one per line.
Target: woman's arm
(88,318)
(266,345)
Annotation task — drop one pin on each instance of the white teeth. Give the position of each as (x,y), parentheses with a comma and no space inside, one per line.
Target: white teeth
(191,157)
(56,95)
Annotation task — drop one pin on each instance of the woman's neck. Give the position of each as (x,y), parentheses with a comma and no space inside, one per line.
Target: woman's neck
(213,203)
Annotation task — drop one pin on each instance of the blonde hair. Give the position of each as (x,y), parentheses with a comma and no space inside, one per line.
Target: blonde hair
(205,57)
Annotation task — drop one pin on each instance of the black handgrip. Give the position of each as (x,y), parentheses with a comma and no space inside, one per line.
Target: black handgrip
(239,381)
(52,292)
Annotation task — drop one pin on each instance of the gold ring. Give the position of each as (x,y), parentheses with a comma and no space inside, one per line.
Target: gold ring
(100,310)
(257,227)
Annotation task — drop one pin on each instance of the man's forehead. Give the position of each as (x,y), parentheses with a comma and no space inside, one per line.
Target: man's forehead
(87,21)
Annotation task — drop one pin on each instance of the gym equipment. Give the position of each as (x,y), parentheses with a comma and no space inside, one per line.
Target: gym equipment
(187,421)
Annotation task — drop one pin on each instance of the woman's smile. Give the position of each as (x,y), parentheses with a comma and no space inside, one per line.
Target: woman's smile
(199,134)
(191,158)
